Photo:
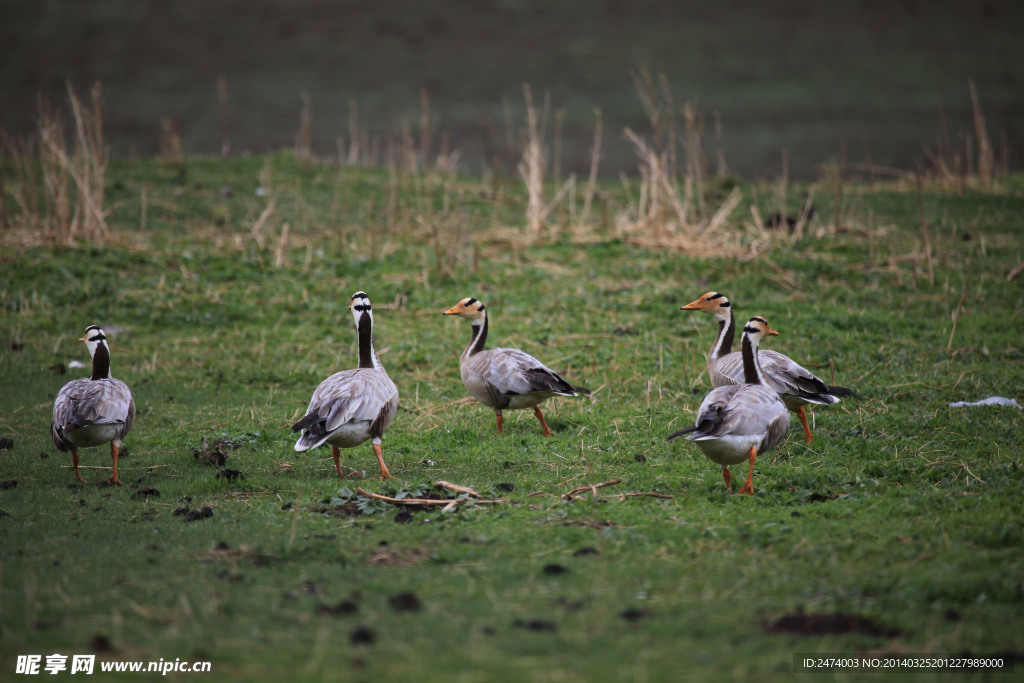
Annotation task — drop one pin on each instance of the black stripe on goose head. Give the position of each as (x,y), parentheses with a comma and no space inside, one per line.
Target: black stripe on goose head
(94,333)
(715,296)
(364,302)
(753,329)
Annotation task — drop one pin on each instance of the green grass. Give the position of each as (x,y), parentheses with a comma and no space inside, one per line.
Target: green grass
(903,510)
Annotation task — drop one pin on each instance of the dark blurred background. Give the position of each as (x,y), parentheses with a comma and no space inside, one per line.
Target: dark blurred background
(790,75)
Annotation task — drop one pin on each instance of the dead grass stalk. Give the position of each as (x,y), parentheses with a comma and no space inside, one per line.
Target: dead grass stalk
(304,136)
(85,163)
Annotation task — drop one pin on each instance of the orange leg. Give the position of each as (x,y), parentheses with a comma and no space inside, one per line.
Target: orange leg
(748,485)
(114,479)
(497,416)
(384,474)
(728,479)
(540,416)
(74,461)
(336,452)
(803,420)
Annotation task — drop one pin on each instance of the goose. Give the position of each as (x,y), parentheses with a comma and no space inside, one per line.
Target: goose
(505,379)
(796,385)
(352,406)
(94,411)
(737,422)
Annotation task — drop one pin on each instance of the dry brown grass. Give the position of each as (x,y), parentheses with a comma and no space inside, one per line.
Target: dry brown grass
(533,166)
(304,135)
(170,139)
(661,216)
(970,161)
(669,203)
(72,176)
(25,191)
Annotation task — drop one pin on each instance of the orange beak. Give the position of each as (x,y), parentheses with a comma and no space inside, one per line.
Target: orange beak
(692,306)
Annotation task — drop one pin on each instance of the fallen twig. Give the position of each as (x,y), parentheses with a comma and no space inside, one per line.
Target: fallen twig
(571,495)
(107,467)
(455,487)
(650,494)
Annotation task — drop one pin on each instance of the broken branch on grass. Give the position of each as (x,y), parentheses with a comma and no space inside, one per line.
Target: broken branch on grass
(105,467)
(455,487)
(649,494)
(571,495)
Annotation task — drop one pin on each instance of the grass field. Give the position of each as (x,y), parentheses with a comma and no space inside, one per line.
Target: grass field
(897,530)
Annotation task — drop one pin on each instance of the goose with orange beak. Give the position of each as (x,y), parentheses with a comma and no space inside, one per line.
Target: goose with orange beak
(352,406)
(739,421)
(796,385)
(94,411)
(505,379)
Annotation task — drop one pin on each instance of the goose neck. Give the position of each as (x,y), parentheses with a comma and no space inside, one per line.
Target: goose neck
(367,355)
(478,337)
(726,335)
(101,362)
(752,373)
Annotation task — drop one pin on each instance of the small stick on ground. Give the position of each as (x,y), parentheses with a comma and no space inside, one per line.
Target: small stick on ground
(649,494)
(589,487)
(455,487)
(107,467)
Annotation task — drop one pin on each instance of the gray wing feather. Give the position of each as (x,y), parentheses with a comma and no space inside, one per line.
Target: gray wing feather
(511,371)
(84,402)
(353,396)
(740,410)
(777,428)
(786,376)
(384,417)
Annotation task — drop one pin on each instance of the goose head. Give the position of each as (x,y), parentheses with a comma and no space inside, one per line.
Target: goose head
(714,303)
(360,304)
(469,308)
(94,338)
(758,328)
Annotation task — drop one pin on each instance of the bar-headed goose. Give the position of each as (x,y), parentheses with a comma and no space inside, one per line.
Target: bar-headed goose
(505,379)
(352,406)
(796,385)
(737,422)
(94,411)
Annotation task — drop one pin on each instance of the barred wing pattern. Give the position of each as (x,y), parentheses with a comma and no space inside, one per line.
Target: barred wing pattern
(742,410)
(793,382)
(497,375)
(85,402)
(358,395)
